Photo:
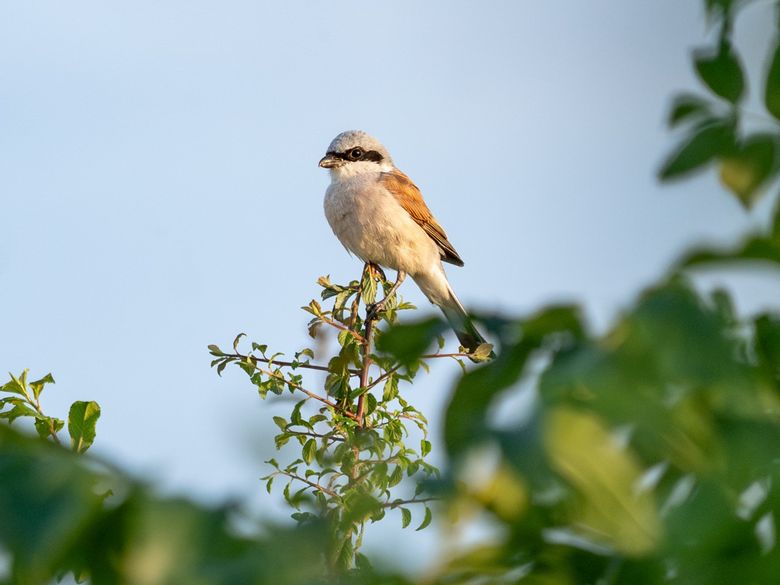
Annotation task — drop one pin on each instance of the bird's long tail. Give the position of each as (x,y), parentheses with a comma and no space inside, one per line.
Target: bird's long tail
(435,286)
(462,325)
(464,329)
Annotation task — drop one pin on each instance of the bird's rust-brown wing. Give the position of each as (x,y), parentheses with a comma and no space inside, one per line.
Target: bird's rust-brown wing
(410,198)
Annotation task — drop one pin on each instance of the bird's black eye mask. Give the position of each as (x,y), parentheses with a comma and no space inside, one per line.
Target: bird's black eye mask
(356,154)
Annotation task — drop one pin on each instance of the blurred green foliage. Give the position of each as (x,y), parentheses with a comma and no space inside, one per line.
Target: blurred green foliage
(647,454)
(60,513)
(717,129)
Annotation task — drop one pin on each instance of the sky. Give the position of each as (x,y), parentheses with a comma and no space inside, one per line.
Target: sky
(159,191)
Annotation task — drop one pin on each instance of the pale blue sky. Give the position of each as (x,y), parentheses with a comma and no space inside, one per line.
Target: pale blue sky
(159,187)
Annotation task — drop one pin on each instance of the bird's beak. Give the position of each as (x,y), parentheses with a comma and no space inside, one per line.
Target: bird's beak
(329,161)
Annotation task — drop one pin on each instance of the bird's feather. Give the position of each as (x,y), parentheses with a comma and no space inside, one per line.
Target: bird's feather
(408,195)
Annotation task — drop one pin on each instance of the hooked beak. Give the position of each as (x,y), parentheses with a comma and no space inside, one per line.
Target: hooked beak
(329,161)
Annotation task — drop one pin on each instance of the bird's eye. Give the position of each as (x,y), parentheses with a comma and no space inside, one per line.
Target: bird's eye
(356,153)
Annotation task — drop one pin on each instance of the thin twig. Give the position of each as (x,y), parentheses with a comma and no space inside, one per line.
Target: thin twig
(308,366)
(342,327)
(313,484)
(396,503)
(430,356)
(366,365)
(384,376)
(37,406)
(300,388)
(317,435)
(369,331)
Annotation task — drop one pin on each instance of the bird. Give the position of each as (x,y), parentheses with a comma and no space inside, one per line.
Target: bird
(379,214)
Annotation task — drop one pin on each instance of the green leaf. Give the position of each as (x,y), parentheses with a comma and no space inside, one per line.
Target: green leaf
(280,422)
(406,517)
(214,350)
(12,400)
(395,477)
(37,386)
(282,439)
(409,341)
(309,450)
(47,426)
(767,343)
(82,418)
(748,167)
(483,352)
(363,564)
(772,88)
(345,555)
(371,404)
(237,340)
(584,452)
(295,417)
(425,447)
(706,143)
(721,71)
(390,390)
(14,386)
(750,250)
(686,107)
(368,288)
(426,520)
(724,305)
(314,308)
(305,352)
(17,411)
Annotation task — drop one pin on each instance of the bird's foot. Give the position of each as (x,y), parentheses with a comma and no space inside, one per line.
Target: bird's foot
(373,310)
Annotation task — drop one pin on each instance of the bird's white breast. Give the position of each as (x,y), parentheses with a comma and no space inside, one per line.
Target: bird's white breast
(372,224)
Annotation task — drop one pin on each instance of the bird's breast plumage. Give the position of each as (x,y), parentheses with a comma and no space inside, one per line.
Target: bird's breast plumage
(371,223)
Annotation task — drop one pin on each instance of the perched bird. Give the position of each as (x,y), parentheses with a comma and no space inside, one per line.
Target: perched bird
(379,214)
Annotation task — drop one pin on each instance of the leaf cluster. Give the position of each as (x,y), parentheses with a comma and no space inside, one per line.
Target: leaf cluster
(21,399)
(354,437)
(717,129)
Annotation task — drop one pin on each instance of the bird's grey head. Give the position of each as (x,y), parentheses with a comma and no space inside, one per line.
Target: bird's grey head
(354,152)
